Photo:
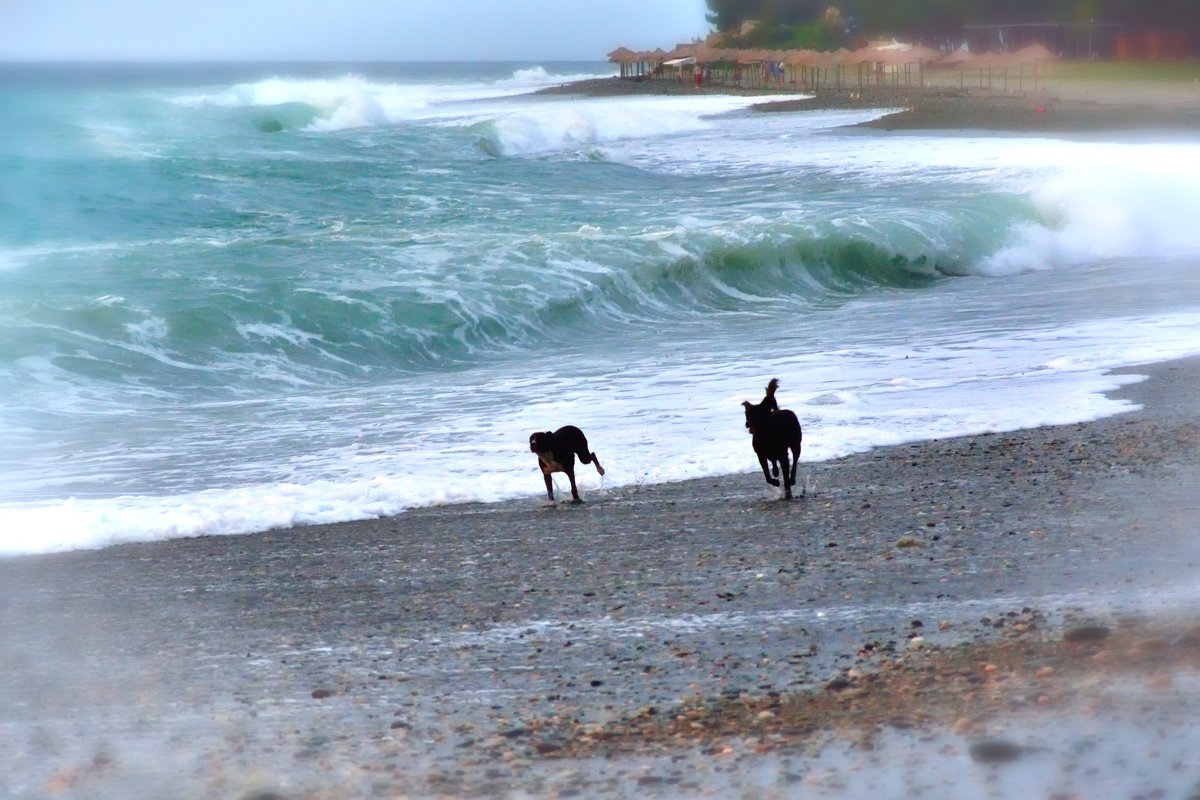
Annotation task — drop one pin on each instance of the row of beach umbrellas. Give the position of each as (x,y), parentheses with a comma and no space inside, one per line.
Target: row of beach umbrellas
(888,55)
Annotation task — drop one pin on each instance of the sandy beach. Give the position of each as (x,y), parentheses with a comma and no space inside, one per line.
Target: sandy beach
(989,616)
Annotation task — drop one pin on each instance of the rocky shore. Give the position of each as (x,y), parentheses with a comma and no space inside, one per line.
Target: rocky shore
(982,616)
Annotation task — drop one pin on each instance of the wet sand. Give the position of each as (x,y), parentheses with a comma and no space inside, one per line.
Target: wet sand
(898,631)
(949,101)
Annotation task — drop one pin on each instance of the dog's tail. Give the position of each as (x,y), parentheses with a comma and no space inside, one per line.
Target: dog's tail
(771,387)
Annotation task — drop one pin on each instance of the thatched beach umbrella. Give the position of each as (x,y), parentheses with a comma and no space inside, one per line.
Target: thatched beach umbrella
(1032,55)
(837,60)
(686,50)
(622,56)
(921,56)
(960,58)
(802,60)
(986,63)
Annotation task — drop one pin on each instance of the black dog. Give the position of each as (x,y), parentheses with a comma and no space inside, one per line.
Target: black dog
(774,432)
(556,453)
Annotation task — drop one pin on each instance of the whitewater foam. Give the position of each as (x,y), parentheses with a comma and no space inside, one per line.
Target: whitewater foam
(1085,214)
(353,101)
(893,396)
(552,126)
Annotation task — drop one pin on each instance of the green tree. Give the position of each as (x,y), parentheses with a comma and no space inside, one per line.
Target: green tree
(946,18)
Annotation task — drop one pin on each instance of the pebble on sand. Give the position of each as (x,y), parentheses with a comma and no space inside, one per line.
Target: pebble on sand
(995,751)
(1086,633)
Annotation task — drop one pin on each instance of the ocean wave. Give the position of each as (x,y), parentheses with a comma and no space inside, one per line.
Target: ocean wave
(540,78)
(449,302)
(1087,213)
(563,126)
(354,101)
(258,336)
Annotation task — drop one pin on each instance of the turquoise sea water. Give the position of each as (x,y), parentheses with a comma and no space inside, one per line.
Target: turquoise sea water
(235,297)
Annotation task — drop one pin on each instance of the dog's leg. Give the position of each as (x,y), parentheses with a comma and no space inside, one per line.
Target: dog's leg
(762,461)
(590,458)
(795,467)
(574,491)
(549,486)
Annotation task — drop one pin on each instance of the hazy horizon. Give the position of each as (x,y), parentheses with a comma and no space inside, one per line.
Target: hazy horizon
(356,31)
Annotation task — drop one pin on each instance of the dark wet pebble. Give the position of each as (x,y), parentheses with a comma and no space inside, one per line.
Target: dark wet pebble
(1086,633)
(995,751)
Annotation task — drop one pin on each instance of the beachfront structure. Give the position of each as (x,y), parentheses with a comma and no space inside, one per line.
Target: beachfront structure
(888,66)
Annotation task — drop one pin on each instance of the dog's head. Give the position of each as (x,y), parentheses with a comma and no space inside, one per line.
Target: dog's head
(755,414)
(541,441)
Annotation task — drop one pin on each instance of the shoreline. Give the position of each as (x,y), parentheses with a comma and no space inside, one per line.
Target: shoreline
(616,649)
(1055,107)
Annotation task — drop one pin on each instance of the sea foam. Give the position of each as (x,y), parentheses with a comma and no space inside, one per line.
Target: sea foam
(353,101)
(1087,212)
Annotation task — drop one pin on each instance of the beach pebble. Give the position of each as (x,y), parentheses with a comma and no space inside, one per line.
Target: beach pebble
(995,751)
(1086,633)
(1159,682)
(1156,644)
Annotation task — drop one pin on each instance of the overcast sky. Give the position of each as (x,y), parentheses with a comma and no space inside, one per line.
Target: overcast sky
(342,30)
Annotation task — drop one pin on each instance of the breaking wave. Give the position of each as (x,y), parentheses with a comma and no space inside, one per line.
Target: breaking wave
(353,101)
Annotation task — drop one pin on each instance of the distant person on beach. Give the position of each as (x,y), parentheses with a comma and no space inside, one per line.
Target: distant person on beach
(698,74)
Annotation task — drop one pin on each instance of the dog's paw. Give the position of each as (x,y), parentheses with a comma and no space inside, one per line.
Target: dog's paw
(600,470)
(773,481)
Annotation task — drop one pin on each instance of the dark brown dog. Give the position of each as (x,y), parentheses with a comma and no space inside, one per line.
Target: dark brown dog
(776,432)
(556,452)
